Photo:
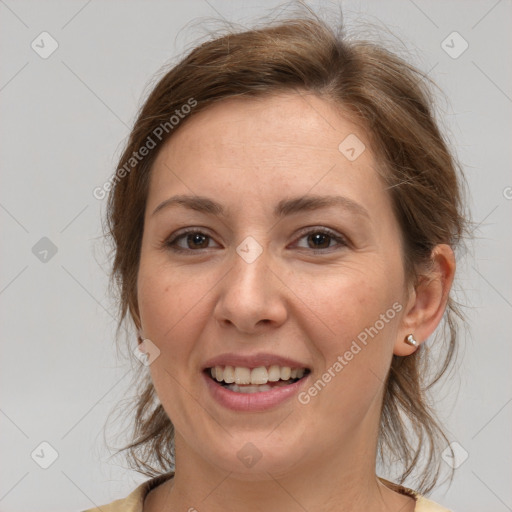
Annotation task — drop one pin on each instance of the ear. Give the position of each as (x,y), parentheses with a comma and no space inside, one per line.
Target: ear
(427,301)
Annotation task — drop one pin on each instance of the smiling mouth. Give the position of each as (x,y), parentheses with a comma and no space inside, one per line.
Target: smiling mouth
(255,380)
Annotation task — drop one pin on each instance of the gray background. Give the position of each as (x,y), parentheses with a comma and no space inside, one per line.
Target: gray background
(63,121)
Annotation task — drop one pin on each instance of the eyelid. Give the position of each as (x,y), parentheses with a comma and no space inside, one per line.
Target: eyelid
(342,241)
(335,235)
(167,243)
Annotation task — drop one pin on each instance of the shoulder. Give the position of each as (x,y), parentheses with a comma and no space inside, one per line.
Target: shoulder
(422,504)
(425,505)
(134,502)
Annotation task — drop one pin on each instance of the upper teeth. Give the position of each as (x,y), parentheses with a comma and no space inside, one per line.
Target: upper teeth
(260,375)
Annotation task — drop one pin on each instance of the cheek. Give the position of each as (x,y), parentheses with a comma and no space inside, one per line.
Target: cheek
(175,308)
(363,313)
(165,295)
(166,303)
(353,303)
(169,311)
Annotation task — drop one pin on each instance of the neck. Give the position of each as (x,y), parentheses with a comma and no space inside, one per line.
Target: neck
(325,483)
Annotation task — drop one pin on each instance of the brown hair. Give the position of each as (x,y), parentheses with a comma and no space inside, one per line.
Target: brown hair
(381,92)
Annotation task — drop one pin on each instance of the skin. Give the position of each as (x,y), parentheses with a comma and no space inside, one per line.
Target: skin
(248,154)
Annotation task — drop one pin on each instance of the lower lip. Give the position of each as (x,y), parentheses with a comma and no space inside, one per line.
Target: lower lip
(253,402)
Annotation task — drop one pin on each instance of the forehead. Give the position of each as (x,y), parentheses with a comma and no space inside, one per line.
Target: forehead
(287,123)
(267,147)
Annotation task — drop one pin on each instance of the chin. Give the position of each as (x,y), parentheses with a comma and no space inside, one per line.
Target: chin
(258,461)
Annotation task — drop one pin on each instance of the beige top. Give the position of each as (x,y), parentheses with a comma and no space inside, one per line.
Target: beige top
(135,500)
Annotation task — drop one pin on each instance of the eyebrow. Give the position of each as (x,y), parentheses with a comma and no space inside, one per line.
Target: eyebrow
(284,208)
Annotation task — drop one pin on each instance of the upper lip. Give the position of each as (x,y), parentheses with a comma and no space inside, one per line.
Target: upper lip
(253,361)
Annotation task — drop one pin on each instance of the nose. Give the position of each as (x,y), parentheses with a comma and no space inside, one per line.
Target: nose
(251,296)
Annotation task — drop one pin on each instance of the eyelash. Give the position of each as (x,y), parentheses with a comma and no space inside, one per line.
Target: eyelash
(170,242)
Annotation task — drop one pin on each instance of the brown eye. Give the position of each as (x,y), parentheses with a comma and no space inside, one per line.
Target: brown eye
(319,240)
(322,240)
(197,241)
(188,241)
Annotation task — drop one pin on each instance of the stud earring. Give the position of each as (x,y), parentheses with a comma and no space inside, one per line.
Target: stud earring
(411,340)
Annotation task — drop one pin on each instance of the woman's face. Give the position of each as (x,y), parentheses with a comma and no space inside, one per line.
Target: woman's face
(268,280)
